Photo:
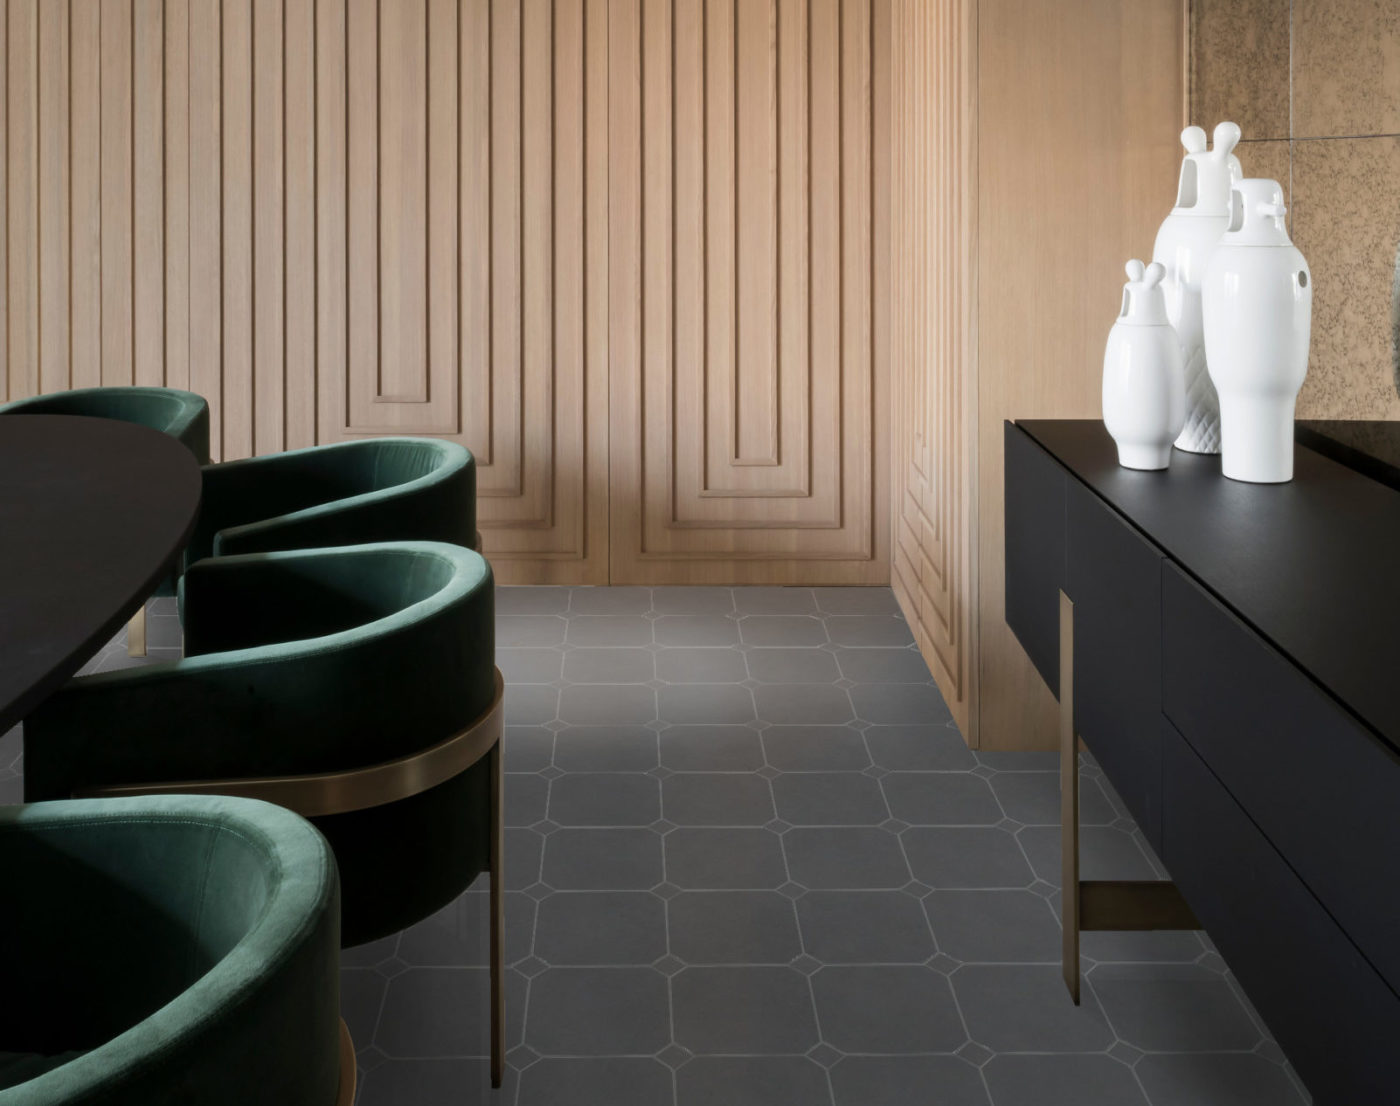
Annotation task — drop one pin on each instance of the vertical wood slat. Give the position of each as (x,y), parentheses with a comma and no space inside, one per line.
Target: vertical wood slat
(148,192)
(268,214)
(85,192)
(205,213)
(299,271)
(362,176)
(721,240)
(22,114)
(53,174)
(116,188)
(332,247)
(177,193)
(754,433)
(402,217)
(505,477)
(238,198)
(475,374)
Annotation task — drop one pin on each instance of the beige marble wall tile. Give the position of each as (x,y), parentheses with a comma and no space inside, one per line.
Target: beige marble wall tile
(1346,67)
(1346,209)
(1239,65)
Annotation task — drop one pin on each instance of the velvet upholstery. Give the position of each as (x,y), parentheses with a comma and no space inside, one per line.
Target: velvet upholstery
(349,493)
(173,949)
(309,661)
(182,415)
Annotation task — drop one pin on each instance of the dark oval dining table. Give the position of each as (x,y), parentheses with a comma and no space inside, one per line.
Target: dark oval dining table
(93,514)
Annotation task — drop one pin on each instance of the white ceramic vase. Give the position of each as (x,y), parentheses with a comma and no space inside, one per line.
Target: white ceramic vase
(1144,384)
(1258,323)
(1184,244)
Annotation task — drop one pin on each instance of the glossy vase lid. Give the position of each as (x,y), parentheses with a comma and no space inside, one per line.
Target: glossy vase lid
(1256,215)
(1208,175)
(1143,301)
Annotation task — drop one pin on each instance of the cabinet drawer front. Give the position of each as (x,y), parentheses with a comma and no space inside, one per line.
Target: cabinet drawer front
(1035,550)
(1115,580)
(1321,788)
(1327,1007)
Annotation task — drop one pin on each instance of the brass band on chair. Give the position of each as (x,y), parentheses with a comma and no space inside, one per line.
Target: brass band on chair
(321,793)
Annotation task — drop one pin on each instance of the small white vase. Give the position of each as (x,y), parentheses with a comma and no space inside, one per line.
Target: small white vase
(1144,385)
(1184,244)
(1258,324)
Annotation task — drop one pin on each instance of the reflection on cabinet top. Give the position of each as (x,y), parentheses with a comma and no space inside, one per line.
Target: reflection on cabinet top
(1312,565)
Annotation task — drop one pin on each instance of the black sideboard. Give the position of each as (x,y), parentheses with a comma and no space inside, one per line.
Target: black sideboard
(1236,672)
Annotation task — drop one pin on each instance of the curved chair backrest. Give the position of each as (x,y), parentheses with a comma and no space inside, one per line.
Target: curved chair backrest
(348,493)
(182,415)
(304,662)
(168,949)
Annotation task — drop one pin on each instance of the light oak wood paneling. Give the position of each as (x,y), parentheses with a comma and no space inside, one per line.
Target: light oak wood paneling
(933,338)
(749,220)
(1079,107)
(332,218)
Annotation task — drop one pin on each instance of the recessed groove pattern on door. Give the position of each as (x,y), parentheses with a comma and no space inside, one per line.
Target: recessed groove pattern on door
(933,213)
(749,240)
(332,218)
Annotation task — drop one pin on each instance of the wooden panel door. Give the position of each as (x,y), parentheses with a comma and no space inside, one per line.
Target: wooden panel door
(747,287)
(463,215)
(333,219)
(933,337)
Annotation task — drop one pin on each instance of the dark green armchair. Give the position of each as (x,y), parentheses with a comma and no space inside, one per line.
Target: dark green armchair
(355,685)
(169,950)
(350,493)
(182,415)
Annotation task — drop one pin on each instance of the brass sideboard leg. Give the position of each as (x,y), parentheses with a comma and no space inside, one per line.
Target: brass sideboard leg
(1069,806)
(136,634)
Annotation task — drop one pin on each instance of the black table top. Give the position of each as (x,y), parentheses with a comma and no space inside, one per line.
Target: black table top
(1313,565)
(93,513)
(1371,448)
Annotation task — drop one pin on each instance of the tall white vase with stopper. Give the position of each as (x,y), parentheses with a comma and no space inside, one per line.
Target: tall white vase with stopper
(1144,388)
(1258,323)
(1184,244)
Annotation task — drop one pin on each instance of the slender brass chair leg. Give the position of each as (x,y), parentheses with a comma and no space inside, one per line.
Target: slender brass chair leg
(136,634)
(498,952)
(1069,806)
(348,1072)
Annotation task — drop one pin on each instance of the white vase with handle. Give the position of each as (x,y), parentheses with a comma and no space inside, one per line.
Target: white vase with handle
(1144,385)
(1258,325)
(1184,244)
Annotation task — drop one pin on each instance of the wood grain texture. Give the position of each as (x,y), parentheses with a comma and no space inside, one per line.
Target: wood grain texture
(628,251)
(749,190)
(332,218)
(1075,164)
(933,300)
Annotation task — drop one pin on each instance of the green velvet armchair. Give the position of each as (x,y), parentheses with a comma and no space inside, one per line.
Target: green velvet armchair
(182,415)
(169,950)
(349,493)
(355,685)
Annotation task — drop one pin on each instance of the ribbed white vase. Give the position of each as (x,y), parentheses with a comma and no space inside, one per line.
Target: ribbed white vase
(1183,248)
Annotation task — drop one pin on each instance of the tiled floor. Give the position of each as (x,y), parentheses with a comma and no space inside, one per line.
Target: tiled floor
(751,862)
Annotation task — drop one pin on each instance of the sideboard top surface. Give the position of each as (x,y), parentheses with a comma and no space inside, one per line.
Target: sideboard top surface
(1313,565)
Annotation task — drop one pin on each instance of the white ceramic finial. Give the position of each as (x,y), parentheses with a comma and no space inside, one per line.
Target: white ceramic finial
(1154,274)
(1194,139)
(1227,137)
(1134,269)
